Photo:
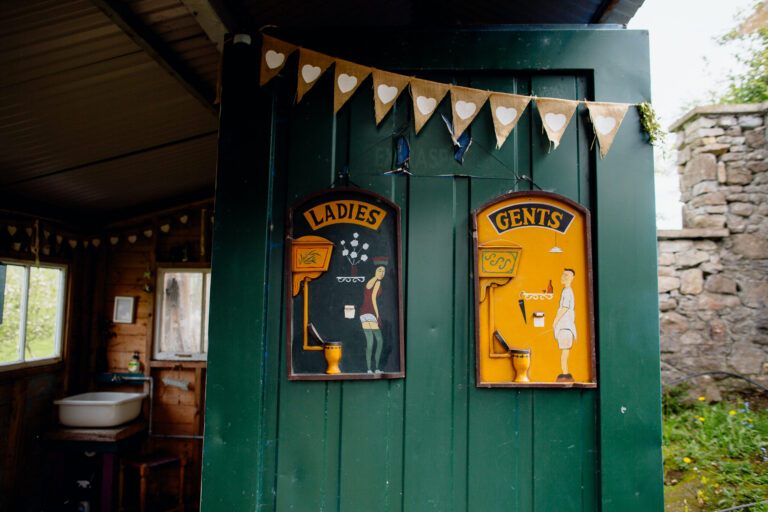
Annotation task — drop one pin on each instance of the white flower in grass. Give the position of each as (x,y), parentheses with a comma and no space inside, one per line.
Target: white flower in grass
(365,246)
(353,254)
(355,235)
(364,257)
(354,243)
(344,252)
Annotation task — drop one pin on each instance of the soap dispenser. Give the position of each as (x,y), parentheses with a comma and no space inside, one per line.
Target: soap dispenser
(134,365)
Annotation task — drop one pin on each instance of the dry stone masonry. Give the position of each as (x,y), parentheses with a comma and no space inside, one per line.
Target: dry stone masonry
(713,274)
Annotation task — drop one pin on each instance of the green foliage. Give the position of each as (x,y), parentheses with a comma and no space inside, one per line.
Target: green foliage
(750,86)
(651,124)
(41,313)
(718,453)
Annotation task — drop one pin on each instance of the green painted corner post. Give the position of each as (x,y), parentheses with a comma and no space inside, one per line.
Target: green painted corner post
(233,427)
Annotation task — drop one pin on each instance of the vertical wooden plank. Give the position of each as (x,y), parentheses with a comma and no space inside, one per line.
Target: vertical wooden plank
(309,412)
(428,416)
(558,429)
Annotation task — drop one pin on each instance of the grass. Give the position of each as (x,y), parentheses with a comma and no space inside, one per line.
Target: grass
(715,454)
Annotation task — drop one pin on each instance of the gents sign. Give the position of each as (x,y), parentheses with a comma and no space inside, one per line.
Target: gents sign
(345,212)
(530,214)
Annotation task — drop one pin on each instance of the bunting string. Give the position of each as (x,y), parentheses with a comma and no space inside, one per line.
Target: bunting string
(466,102)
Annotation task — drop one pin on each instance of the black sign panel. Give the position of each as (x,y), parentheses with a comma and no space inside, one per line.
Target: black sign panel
(344,287)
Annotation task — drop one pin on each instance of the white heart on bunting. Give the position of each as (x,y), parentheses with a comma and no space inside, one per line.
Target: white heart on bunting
(29,231)
(465,109)
(132,239)
(59,239)
(11,230)
(346,82)
(605,125)
(165,228)
(310,73)
(96,242)
(274,59)
(73,243)
(113,240)
(506,115)
(426,105)
(386,93)
(555,121)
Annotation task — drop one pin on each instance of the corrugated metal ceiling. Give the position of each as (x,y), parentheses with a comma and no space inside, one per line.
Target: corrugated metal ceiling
(106,105)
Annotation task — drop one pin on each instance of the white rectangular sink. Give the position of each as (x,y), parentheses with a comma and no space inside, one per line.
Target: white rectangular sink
(99,408)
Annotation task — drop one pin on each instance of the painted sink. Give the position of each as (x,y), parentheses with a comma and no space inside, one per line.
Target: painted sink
(99,408)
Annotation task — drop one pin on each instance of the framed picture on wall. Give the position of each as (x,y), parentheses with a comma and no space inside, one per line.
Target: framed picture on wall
(123,312)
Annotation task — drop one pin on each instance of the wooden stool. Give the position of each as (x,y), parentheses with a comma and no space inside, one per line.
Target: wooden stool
(144,464)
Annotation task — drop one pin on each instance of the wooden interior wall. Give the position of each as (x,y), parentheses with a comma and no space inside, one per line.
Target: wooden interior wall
(26,395)
(163,240)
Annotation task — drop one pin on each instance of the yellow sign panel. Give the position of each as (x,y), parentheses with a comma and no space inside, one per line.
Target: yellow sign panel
(533,292)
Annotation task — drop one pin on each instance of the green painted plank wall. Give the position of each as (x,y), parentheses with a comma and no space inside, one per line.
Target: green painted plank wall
(431,441)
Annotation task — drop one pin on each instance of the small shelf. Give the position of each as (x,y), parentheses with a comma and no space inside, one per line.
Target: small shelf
(176,363)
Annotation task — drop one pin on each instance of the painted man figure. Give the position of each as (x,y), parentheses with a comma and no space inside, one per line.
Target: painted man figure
(564,326)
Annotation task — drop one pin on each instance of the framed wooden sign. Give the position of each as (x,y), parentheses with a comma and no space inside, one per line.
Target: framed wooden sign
(345,313)
(534,322)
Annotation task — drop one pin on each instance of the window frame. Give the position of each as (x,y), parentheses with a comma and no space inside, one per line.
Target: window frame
(59,342)
(204,315)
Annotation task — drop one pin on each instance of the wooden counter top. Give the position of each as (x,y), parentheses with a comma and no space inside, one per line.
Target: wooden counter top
(97,435)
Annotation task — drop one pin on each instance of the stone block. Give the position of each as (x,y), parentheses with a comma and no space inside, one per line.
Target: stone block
(757,166)
(739,176)
(755,138)
(665,258)
(691,338)
(736,224)
(675,245)
(717,302)
(718,330)
(739,149)
(683,155)
(750,246)
(705,245)
(698,123)
(702,167)
(717,208)
(665,270)
(669,344)
(704,187)
(760,154)
(667,304)
(722,175)
(726,121)
(717,283)
(668,283)
(761,178)
(691,281)
(754,294)
(708,221)
(710,267)
(714,149)
(733,157)
(750,121)
(742,209)
(673,323)
(727,139)
(691,258)
(733,131)
(746,358)
(737,196)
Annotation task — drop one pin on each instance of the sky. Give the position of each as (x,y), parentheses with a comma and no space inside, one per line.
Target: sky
(682,35)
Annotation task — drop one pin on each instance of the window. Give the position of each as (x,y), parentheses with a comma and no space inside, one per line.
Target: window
(32,313)
(182,313)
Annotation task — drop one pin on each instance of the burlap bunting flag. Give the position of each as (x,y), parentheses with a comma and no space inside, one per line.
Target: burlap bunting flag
(465,103)
(274,53)
(348,78)
(386,88)
(506,110)
(555,116)
(426,97)
(311,65)
(606,118)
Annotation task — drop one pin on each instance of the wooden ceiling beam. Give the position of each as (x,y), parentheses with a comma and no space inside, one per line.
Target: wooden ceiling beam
(158,50)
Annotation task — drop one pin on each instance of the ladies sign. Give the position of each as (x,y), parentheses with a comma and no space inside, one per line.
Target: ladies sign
(345,317)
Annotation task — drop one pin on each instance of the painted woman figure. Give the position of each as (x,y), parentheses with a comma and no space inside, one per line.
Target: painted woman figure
(369,315)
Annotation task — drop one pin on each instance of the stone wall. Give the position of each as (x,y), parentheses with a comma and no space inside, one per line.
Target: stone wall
(713,274)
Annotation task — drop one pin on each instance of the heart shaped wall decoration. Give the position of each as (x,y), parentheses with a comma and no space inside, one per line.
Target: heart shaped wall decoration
(274,59)
(11,230)
(465,109)
(555,121)
(113,240)
(604,125)
(310,73)
(506,115)
(426,105)
(346,82)
(386,93)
